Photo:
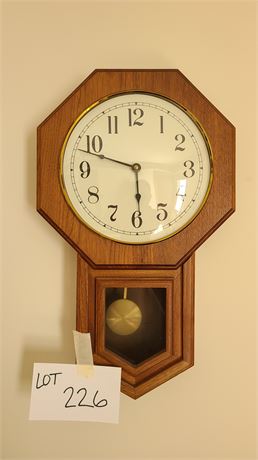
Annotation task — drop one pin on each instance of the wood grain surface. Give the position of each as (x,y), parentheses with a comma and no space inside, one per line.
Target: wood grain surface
(101,251)
(178,354)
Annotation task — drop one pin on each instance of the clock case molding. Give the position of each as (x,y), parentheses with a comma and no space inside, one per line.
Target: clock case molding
(179,353)
(103,259)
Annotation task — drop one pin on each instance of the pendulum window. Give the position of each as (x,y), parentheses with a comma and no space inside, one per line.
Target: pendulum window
(135,322)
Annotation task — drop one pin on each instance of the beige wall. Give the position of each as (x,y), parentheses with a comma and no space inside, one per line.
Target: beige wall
(207,412)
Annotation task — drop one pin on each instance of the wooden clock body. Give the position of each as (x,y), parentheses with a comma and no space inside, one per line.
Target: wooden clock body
(168,264)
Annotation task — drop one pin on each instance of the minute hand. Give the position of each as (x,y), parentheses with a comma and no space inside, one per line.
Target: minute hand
(103,157)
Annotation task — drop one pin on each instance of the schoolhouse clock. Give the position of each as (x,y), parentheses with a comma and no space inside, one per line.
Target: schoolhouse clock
(136,171)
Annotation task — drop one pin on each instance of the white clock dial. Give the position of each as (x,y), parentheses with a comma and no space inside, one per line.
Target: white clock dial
(136,167)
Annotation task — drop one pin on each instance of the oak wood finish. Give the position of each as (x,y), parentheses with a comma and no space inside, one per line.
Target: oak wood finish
(179,353)
(168,263)
(100,251)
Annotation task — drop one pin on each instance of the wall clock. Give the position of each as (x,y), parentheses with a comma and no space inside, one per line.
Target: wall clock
(136,170)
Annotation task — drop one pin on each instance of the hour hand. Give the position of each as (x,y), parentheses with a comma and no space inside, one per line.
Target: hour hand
(136,168)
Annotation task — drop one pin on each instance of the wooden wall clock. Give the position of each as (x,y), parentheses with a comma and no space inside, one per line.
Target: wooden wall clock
(136,170)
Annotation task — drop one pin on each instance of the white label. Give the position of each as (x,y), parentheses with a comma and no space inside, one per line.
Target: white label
(75,392)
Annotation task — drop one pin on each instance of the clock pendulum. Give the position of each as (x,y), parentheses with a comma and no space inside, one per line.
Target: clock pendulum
(136,169)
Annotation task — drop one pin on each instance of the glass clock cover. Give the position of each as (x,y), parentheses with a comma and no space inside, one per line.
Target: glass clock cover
(136,167)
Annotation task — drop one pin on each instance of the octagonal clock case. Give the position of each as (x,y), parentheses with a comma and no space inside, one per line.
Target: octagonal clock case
(136,169)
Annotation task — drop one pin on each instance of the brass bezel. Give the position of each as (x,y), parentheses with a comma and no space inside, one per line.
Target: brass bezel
(171,101)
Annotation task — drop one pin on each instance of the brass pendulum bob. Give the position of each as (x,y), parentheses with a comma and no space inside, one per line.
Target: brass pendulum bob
(123,316)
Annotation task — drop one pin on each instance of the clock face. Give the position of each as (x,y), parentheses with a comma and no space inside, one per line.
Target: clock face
(136,167)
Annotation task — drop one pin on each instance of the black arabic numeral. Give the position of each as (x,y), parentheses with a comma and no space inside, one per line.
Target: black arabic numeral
(138,113)
(137,219)
(101,403)
(161,124)
(162,214)
(181,139)
(85,169)
(94,144)
(84,396)
(93,197)
(112,124)
(114,207)
(189,172)
(70,397)
(181,194)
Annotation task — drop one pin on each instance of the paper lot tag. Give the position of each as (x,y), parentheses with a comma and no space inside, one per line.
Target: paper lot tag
(75,392)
